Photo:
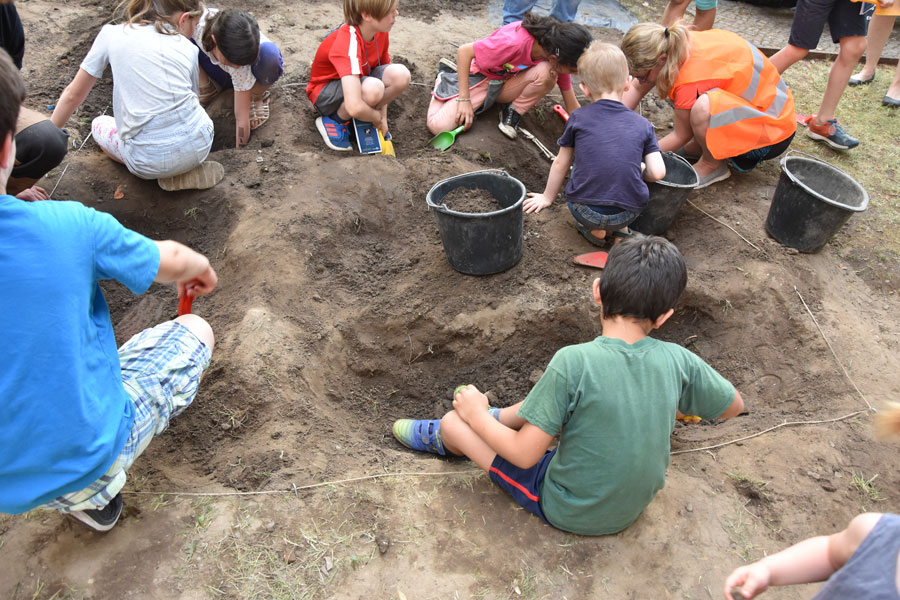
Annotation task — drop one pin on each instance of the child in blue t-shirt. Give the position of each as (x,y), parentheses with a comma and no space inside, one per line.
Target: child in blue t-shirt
(614,148)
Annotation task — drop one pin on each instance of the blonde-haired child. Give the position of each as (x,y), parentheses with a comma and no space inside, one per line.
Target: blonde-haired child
(352,74)
(159,130)
(614,150)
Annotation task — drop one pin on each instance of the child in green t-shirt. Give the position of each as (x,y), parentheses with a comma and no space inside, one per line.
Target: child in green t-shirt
(612,401)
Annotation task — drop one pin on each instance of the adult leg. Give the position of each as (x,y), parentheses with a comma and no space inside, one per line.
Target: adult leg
(880,28)
(700,125)
(893,92)
(514,10)
(705,19)
(565,10)
(674,11)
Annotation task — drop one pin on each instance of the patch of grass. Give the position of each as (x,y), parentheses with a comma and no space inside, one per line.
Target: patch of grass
(191,213)
(525,583)
(866,487)
(739,533)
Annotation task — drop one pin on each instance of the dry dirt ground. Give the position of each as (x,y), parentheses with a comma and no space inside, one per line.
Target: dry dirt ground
(337,313)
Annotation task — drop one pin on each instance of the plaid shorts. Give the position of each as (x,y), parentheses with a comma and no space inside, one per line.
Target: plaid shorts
(161,369)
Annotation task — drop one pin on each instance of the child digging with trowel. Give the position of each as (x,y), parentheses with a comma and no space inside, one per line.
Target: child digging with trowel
(614,148)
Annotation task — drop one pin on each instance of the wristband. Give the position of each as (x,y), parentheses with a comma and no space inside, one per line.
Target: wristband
(463,99)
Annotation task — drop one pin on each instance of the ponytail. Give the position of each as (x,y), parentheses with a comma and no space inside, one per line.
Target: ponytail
(236,36)
(645,43)
(566,41)
(887,422)
(159,13)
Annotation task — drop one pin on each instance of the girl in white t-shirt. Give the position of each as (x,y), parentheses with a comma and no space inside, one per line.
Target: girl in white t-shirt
(234,54)
(158,129)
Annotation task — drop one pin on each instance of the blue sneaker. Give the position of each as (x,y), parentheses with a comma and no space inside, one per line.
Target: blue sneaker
(832,134)
(421,435)
(335,133)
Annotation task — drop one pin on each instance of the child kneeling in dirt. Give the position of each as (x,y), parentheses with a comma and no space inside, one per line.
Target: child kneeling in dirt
(614,150)
(352,74)
(77,412)
(612,401)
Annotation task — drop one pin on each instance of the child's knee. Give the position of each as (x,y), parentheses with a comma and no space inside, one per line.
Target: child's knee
(397,75)
(269,66)
(372,91)
(200,328)
(544,75)
(853,47)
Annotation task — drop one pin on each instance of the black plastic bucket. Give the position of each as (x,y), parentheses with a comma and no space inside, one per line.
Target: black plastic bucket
(667,196)
(481,243)
(812,202)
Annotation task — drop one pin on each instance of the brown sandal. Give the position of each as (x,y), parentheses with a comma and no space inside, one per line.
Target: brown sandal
(259,110)
(207,92)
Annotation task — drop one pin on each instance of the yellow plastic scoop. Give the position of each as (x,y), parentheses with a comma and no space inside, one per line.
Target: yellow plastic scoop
(387,146)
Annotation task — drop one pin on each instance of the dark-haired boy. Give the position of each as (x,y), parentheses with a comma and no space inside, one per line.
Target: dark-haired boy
(77,411)
(612,402)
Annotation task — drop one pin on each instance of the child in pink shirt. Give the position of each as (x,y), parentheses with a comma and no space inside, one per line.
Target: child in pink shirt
(525,59)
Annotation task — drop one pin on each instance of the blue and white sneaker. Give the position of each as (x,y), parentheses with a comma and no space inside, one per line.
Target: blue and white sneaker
(421,435)
(335,133)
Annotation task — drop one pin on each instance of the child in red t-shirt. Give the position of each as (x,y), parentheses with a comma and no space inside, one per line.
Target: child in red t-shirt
(352,74)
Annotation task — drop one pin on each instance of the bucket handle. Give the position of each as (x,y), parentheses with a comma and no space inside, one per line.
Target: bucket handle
(796,181)
(815,158)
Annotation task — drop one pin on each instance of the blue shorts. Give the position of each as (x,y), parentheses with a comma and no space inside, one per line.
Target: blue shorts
(267,69)
(524,485)
(706,4)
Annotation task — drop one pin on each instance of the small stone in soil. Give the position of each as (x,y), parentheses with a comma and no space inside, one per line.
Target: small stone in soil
(471,200)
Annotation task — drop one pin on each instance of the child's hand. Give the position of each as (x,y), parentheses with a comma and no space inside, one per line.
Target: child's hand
(468,402)
(752,580)
(535,202)
(465,114)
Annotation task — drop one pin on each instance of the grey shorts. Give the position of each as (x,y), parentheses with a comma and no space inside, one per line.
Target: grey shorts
(332,95)
(844,18)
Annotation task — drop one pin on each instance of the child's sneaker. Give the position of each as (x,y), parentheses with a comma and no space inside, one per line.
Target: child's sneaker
(202,177)
(509,122)
(335,133)
(100,519)
(832,134)
(424,436)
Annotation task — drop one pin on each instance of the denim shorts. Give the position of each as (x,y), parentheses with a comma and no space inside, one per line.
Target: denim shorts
(524,485)
(161,369)
(331,97)
(170,143)
(587,218)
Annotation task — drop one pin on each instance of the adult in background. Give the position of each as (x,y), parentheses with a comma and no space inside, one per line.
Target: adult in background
(880,28)
(847,23)
(562,10)
(40,145)
(730,102)
(77,412)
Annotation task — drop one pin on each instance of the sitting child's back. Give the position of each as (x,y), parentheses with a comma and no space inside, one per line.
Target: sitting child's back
(614,405)
(612,401)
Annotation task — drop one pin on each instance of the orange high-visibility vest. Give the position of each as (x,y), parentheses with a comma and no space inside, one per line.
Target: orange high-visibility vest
(753,109)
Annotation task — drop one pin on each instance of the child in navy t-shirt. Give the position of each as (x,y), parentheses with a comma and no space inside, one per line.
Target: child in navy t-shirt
(614,150)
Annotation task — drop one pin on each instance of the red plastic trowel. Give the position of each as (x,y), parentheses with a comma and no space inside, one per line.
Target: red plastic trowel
(596,259)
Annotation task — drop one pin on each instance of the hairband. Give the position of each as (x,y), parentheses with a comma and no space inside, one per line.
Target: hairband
(666,32)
